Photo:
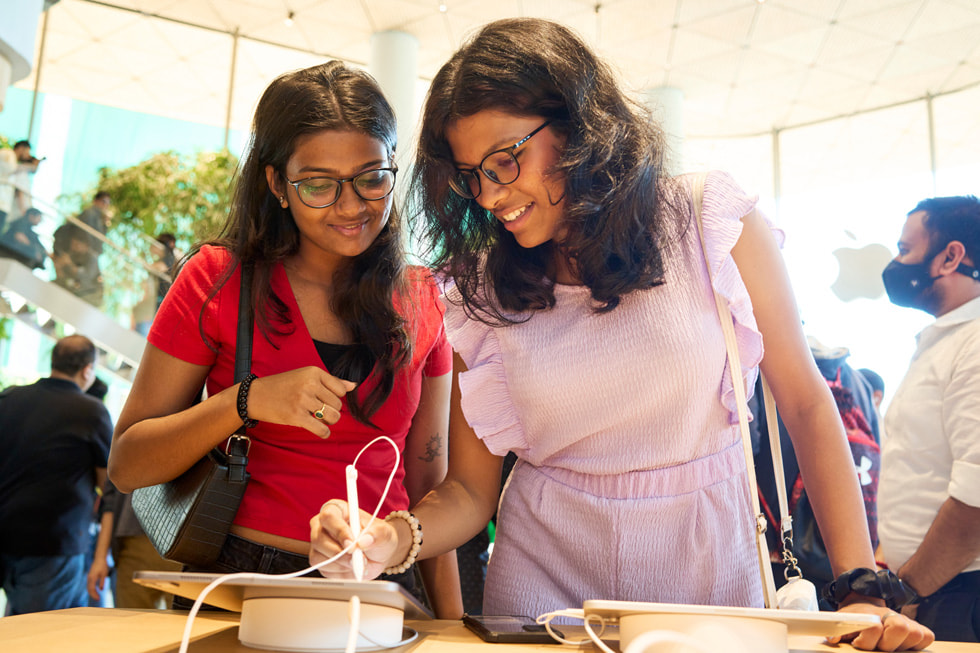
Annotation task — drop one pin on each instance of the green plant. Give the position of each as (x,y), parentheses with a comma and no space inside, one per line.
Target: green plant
(187,196)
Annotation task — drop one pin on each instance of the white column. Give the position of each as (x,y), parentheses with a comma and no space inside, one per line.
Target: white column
(667,105)
(17,32)
(394,63)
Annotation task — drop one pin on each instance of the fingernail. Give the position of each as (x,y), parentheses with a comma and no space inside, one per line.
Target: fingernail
(365,541)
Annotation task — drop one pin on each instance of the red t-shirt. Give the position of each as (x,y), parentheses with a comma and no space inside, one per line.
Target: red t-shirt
(293,472)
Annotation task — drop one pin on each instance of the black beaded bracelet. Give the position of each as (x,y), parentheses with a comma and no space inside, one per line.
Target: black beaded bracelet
(882,584)
(243,401)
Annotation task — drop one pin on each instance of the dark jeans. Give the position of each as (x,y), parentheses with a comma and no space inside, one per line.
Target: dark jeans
(239,554)
(953,611)
(40,583)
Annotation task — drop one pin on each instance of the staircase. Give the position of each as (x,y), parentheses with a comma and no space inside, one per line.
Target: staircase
(121,263)
(124,346)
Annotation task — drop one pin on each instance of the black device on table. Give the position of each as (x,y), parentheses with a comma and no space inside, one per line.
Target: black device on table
(502,629)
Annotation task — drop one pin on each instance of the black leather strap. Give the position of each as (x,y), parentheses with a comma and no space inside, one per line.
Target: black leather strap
(881,584)
(246,318)
(239,443)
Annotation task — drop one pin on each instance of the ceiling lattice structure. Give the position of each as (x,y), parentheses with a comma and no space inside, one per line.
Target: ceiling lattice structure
(744,66)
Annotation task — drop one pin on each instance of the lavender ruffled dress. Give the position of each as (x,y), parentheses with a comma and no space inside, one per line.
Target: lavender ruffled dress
(631,481)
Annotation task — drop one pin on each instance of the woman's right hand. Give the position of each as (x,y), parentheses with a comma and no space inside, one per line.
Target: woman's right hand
(295,397)
(330,533)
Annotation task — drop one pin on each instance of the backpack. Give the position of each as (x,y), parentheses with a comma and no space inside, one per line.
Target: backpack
(808,545)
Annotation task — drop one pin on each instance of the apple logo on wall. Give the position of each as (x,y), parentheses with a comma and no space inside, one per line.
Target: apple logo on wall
(859,272)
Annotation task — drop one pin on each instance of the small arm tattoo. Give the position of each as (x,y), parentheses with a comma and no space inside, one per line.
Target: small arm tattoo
(433,449)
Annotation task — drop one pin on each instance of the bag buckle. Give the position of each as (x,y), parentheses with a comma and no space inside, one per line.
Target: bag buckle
(236,439)
(237,449)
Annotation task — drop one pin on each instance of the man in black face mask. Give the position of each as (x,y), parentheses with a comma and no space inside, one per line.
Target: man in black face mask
(929,492)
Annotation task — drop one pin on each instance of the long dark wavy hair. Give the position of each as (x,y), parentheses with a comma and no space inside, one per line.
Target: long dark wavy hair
(260,232)
(612,161)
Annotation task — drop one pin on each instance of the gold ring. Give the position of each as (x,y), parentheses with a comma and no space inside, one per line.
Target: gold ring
(319,414)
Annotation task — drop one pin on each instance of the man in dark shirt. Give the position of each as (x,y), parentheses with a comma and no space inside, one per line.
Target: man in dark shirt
(55,442)
(97,217)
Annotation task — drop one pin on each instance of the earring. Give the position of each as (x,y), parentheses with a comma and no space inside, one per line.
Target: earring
(282,200)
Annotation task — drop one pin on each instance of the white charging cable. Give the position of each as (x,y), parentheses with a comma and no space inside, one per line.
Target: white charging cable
(354,612)
(546,618)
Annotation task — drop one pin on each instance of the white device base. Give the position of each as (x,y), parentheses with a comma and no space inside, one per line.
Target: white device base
(702,633)
(320,625)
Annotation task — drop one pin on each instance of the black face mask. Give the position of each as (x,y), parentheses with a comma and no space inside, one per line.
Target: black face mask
(905,282)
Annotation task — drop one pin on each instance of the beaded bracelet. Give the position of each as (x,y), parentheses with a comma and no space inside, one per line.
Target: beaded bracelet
(243,401)
(413,553)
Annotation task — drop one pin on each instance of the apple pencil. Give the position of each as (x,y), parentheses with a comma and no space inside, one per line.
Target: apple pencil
(357,557)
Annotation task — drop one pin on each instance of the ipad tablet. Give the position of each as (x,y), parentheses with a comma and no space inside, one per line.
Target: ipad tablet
(230,595)
(797,622)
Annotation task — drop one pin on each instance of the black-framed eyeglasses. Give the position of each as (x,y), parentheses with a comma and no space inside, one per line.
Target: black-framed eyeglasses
(500,167)
(321,192)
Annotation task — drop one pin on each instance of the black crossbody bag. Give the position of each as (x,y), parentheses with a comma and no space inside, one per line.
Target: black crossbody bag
(187,519)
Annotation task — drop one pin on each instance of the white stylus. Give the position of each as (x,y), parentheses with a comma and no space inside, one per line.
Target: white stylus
(357,557)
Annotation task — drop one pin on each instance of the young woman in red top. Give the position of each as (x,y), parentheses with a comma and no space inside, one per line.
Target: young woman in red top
(348,345)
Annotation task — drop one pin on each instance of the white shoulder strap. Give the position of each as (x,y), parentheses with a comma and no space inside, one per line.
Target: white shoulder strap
(735,369)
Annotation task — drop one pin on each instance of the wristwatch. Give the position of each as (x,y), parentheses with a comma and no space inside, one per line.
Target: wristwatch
(881,584)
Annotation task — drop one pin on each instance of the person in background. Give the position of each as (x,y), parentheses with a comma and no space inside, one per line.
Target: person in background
(929,498)
(146,308)
(349,342)
(27,165)
(99,389)
(588,342)
(122,540)
(97,217)
(76,267)
(877,385)
(852,395)
(8,166)
(169,243)
(55,442)
(22,242)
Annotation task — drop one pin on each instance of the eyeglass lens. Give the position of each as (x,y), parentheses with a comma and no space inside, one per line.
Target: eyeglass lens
(320,192)
(499,167)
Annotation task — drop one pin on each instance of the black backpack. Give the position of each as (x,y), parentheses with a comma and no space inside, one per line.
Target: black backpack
(808,545)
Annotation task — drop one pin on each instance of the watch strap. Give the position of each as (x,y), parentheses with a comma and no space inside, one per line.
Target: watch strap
(881,584)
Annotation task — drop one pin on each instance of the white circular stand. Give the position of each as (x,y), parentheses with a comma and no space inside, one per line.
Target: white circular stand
(315,625)
(702,633)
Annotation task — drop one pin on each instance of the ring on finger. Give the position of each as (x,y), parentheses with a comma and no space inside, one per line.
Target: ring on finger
(319,413)
(885,617)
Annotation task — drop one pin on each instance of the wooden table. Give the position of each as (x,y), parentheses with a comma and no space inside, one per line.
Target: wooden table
(106,630)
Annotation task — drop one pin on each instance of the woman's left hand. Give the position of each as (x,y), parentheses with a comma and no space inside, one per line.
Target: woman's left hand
(896,632)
